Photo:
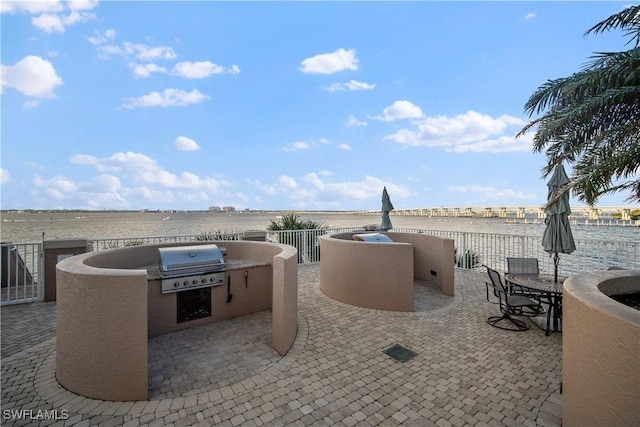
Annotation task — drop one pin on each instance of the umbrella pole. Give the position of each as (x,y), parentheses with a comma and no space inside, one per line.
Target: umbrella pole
(556,261)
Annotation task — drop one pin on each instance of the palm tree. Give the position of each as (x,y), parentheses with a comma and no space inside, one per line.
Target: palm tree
(592,118)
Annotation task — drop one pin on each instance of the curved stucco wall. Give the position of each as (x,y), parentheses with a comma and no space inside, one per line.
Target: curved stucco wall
(381,275)
(102,315)
(101,331)
(600,351)
(431,254)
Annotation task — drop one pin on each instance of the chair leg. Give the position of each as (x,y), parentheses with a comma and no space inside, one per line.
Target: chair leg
(519,324)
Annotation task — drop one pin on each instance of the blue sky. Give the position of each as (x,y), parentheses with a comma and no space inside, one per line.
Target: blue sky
(281,105)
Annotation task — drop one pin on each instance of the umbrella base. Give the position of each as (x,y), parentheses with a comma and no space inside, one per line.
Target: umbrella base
(541,322)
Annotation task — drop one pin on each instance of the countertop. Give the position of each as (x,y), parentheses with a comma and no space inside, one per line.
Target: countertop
(153,271)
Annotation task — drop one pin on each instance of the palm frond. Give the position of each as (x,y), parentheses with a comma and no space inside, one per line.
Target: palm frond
(591,119)
(628,20)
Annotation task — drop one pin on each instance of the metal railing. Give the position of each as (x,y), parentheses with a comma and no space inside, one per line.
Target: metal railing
(22,268)
(21,273)
(102,244)
(474,249)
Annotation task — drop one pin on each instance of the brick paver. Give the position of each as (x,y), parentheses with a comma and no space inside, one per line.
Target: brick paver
(465,371)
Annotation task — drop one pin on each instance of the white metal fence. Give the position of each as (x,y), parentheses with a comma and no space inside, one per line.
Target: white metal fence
(21,272)
(493,249)
(23,275)
(102,244)
(474,249)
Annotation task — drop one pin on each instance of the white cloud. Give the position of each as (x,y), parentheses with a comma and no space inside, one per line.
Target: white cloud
(265,189)
(352,121)
(5,176)
(32,7)
(316,191)
(530,15)
(200,70)
(345,147)
(492,193)
(298,145)
(84,159)
(49,23)
(329,63)
(400,110)
(103,191)
(143,71)
(59,187)
(502,144)
(52,16)
(32,76)
(142,174)
(470,131)
(351,85)
(140,51)
(359,190)
(107,183)
(79,5)
(101,38)
(140,168)
(124,180)
(167,98)
(287,182)
(306,145)
(186,144)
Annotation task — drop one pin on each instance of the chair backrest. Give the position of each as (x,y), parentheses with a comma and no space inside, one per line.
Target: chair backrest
(496,280)
(522,266)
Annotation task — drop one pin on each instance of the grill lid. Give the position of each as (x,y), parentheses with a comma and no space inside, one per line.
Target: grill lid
(191,259)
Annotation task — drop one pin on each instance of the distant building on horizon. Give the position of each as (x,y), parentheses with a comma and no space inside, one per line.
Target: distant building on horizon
(225,209)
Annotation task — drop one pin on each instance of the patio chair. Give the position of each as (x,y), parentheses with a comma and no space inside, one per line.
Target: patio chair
(511,304)
(520,266)
(524,266)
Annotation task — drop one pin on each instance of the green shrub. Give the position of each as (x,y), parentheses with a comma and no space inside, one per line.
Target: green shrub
(293,222)
(468,259)
(126,243)
(218,235)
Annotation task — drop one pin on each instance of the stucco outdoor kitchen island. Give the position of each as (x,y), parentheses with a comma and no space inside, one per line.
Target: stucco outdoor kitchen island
(110,302)
(380,274)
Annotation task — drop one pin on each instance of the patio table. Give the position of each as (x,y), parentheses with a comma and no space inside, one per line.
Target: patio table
(543,283)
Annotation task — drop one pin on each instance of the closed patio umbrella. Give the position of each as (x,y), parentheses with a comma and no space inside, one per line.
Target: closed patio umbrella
(386,208)
(557,237)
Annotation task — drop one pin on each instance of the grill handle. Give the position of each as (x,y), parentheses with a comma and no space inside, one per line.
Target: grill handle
(190,265)
(229,294)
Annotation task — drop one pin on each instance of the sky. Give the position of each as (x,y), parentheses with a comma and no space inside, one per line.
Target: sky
(303,105)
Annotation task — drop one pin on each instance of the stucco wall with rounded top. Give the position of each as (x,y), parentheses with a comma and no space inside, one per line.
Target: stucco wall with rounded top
(102,315)
(101,331)
(600,351)
(381,275)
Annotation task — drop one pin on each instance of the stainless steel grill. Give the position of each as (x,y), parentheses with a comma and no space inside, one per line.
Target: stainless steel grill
(191,267)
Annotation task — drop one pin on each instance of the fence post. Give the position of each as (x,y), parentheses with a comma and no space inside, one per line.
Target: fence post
(463,253)
(54,252)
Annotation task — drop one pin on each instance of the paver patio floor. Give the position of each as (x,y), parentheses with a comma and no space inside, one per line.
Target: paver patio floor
(465,372)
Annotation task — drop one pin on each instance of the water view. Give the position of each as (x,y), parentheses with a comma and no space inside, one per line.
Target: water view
(30,226)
